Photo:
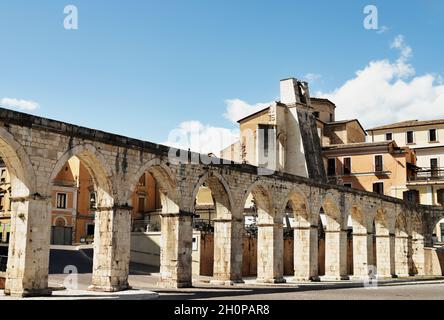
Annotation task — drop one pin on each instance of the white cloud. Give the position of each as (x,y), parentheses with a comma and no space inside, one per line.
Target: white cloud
(405,50)
(26,105)
(201,138)
(205,138)
(238,109)
(383,29)
(385,92)
(312,77)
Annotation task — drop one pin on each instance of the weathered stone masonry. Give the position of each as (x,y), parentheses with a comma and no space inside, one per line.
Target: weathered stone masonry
(35,149)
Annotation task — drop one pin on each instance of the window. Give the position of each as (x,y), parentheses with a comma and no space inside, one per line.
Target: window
(442,232)
(440,196)
(347,166)
(316,114)
(141,204)
(331,118)
(379,167)
(61,200)
(411,196)
(388,136)
(331,167)
(410,139)
(348,185)
(432,135)
(266,147)
(378,187)
(2,201)
(90,229)
(434,167)
(266,142)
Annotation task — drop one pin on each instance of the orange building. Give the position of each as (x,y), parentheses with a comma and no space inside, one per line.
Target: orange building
(74,202)
(72,205)
(146,204)
(380,167)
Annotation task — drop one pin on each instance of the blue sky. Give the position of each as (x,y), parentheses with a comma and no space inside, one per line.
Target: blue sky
(143,68)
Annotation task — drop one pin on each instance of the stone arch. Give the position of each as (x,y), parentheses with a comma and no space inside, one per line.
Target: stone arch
(297,202)
(98,168)
(59,218)
(383,223)
(402,227)
(166,183)
(417,229)
(334,219)
(263,201)
(23,181)
(223,199)
(360,222)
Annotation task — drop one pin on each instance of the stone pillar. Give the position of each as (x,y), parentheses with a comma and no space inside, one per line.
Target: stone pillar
(112,242)
(402,256)
(418,257)
(228,251)
(270,253)
(362,255)
(335,255)
(28,257)
(385,256)
(306,253)
(176,251)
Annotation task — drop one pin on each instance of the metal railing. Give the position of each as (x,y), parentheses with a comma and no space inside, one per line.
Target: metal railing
(203,225)
(426,174)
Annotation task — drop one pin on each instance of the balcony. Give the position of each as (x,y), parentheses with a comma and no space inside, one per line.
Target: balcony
(426,174)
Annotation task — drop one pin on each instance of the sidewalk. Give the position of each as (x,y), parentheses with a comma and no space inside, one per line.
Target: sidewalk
(70,294)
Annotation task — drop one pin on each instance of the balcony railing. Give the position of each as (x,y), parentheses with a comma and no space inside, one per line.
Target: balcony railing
(427,174)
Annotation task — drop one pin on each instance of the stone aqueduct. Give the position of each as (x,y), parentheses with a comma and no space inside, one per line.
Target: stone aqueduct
(35,149)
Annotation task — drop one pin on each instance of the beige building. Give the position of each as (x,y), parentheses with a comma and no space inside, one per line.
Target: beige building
(426,138)
(284,135)
(347,158)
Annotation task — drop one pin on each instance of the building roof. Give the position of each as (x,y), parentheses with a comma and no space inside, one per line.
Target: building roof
(323,100)
(359,145)
(408,123)
(260,111)
(345,122)
(253,114)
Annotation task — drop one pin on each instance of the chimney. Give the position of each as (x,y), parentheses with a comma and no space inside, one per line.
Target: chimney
(289,91)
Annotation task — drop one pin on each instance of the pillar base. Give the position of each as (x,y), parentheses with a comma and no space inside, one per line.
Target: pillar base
(403,275)
(170,284)
(109,288)
(359,278)
(278,280)
(386,276)
(29,293)
(226,282)
(307,279)
(334,278)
